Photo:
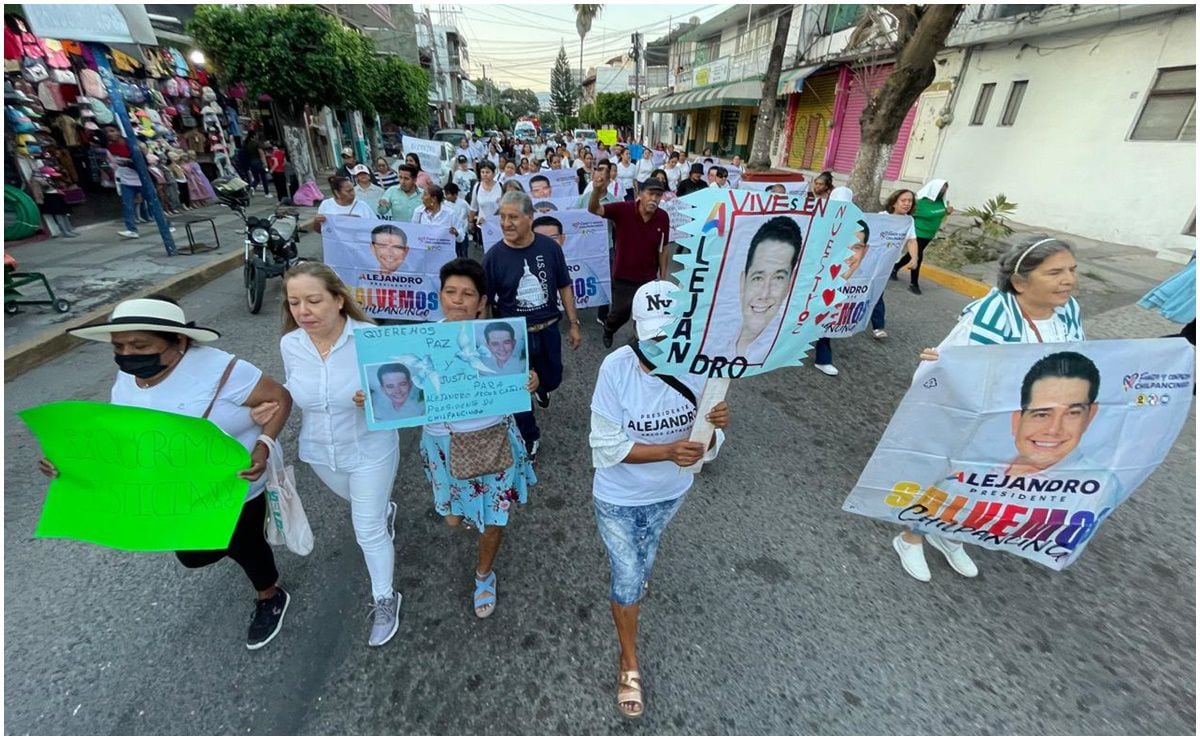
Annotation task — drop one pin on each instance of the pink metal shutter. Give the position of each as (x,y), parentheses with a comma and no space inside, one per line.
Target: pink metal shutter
(851,134)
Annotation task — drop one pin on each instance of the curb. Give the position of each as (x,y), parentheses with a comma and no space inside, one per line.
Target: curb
(962,284)
(31,353)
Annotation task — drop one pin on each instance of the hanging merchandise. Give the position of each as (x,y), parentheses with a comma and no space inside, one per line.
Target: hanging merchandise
(93,86)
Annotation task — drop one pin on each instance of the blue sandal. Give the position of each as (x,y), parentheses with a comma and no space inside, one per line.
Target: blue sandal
(485,595)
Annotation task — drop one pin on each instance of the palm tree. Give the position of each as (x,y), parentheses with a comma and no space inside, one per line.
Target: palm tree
(584,15)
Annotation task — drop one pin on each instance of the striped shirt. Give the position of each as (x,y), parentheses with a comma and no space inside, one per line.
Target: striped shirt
(996,319)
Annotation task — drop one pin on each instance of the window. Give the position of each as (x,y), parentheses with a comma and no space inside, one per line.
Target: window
(1015,94)
(840,17)
(982,103)
(1009,11)
(708,50)
(727,133)
(1169,113)
(757,38)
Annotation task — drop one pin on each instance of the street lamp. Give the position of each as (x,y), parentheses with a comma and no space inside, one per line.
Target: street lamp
(197,57)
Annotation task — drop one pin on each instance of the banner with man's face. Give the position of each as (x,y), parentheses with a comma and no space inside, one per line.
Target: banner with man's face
(429,151)
(884,236)
(391,267)
(445,372)
(1027,448)
(550,184)
(761,275)
(584,239)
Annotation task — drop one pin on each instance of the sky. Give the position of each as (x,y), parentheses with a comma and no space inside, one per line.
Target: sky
(519,42)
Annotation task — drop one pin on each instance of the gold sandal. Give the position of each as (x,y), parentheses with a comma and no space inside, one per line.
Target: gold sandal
(629,691)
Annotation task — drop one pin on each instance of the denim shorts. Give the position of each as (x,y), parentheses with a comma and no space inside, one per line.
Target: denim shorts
(631,535)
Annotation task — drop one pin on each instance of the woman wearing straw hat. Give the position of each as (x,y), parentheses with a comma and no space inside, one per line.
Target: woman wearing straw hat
(165,365)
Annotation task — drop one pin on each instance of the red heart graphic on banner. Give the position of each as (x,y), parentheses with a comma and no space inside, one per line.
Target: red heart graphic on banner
(820,318)
(834,270)
(828,295)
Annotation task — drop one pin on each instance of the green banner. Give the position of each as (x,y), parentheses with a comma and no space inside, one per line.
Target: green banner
(138,479)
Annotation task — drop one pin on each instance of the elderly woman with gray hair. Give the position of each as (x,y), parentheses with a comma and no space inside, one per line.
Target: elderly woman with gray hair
(1031,303)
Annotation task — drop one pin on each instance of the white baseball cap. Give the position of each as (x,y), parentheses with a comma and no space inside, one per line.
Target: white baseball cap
(359,168)
(650,305)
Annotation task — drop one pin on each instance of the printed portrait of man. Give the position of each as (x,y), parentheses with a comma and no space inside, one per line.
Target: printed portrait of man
(401,398)
(551,227)
(1058,403)
(765,280)
(389,245)
(501,341)
(539,187)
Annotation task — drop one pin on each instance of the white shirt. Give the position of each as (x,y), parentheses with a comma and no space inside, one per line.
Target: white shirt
(912,227)
(369,195)
(333,431)
(468,153)
(673,175)
(632,406)
(464,179)
(625,175)
(330,207)
(190,387)
(459,207)
(444,217)
(486,202)
(645,166)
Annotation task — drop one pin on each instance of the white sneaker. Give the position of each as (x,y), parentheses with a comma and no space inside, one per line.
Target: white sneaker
(128,234)
(829,370)
(955,554)
(912,558)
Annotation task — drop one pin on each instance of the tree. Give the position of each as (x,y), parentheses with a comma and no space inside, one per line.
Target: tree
(914,35)
(563,94)
(519,102)
(584,15)
(588,115)
(764,131)
(401,93)
(297,54)
(614,109)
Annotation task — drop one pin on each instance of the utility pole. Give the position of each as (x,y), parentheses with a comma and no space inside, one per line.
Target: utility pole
(637,95)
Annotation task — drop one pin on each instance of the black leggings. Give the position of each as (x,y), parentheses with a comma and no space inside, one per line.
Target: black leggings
(916,271)
(248,547)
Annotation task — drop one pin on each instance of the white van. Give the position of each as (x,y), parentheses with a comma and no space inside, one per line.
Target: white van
(525,131)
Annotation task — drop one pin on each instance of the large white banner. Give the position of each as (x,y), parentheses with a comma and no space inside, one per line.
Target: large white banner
(431,153)
(584,239)
(550,184)
(1028,448)
(391,267)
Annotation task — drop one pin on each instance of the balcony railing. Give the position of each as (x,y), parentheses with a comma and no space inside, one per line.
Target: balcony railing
(729,68)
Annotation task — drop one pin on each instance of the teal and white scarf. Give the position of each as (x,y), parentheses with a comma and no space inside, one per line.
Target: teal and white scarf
(996,319)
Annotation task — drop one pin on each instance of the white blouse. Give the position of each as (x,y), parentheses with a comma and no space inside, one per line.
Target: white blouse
(333,431)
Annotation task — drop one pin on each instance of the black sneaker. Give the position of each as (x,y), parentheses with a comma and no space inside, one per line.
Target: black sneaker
(543,398)
(267,619)
(915,288)
(608,340)
(893,276)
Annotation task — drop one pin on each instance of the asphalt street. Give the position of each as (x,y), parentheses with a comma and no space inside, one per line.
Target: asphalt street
(770,610)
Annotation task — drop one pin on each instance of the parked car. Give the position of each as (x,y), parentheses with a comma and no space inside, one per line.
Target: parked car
(452,135)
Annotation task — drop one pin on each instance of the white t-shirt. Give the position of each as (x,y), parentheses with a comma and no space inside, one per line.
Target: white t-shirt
(912,227)
(445,217)
(333,431)
(650,412)
(625,175)
(486,202)
(673,175)
(464,179)
(459,209)
(189,389)
(330,207)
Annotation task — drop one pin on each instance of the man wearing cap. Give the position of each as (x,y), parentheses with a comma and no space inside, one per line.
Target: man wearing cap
(695,181)
(640,233)
(365,188)
(463,176)
(348,162)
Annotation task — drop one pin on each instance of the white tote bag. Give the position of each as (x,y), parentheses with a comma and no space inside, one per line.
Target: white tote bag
(286,523)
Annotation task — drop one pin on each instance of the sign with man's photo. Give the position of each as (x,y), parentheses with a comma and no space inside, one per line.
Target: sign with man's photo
(761,275)
(442,372)
(391,267)
(1028,448)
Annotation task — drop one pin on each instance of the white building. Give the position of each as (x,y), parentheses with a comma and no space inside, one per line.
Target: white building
(447,63)
(1085,116)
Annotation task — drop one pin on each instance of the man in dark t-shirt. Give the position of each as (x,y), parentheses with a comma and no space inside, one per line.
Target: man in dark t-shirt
(524,271)
(640,232)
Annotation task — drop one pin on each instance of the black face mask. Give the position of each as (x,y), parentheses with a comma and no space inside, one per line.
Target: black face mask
(140,366)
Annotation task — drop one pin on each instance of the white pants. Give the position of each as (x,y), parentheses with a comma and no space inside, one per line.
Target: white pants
(369,491)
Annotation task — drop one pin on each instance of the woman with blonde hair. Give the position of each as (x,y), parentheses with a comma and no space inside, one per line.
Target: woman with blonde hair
(321,366)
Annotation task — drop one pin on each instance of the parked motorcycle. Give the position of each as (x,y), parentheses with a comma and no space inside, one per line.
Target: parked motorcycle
(271,243)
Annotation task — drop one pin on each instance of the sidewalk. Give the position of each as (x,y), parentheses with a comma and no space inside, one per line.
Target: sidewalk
(99,269)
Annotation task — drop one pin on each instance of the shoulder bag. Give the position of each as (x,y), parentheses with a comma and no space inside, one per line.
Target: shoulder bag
(479,453)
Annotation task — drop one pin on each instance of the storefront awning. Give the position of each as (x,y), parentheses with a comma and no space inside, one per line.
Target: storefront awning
(733,94)
(792,80)
(99,22)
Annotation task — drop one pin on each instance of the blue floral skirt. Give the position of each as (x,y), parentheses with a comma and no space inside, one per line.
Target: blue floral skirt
(484,501)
